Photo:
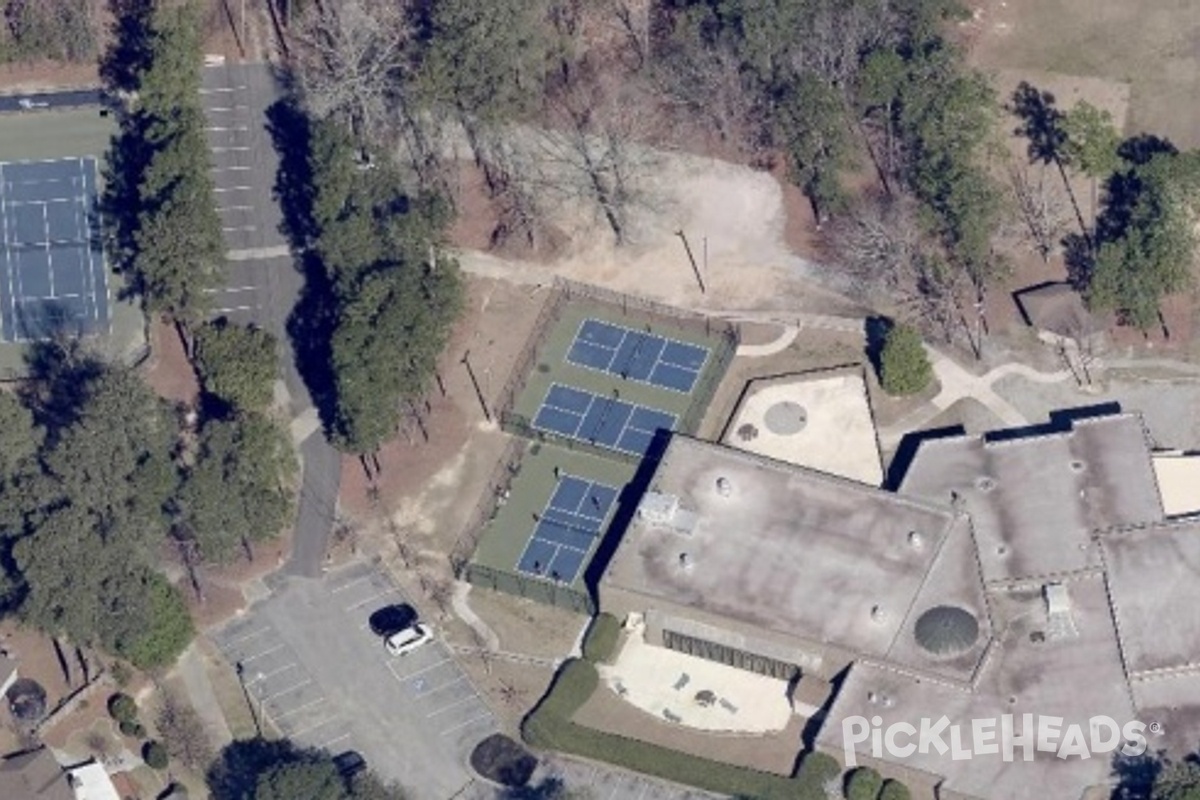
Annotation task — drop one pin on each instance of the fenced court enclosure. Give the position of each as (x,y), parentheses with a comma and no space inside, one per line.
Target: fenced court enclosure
(53,277)
(603,381)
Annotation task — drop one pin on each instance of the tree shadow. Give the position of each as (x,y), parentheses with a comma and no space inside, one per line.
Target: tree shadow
(876,329)
(550,788)
(1135,775)
(1041,122)
(61,373)
(235,773)
(311,324)
(130,51)
(1140,149)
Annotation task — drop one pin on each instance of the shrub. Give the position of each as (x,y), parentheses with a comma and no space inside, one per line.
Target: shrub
(549,726)
(903,365)
(155,755)
(600,643)
(894,790)
(121,673)
(863,784)
(122,707)
(132,728)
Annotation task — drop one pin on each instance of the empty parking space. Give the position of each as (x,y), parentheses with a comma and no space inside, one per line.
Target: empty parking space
(313,667)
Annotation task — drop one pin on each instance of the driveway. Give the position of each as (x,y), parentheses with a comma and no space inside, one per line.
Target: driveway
(312,666)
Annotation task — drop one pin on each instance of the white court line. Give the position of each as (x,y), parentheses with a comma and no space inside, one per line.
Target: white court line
(247,660)
(258,632)
(458,702)
(418,672)
(484,715)
(324,745)
(300,685)
(348,584)
(223,190)
(309,704)
(371,599)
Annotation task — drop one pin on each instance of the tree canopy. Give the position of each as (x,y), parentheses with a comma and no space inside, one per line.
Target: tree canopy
(396,297)
(237,364)
(257,769)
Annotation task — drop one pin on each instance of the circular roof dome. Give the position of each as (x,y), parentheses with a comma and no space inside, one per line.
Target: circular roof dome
(946,630)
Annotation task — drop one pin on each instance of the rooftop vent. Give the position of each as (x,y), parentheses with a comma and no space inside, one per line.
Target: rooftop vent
(915,540)
(685,561)
(985,484)
(658,508)
(946,630)
(724,487)
(1060,623)
(878,615)
(1077,466)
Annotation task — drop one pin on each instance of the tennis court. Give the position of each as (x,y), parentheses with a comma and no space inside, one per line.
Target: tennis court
(566,529)
(53,276)
(605,421)
(637,355)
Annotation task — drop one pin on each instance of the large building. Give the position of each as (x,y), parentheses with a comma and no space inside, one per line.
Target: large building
(1008,575)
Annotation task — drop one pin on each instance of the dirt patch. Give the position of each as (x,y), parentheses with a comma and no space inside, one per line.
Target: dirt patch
(525,626)
(510,689)
(1149,45)
(46,76)
(168,372)
(775,753)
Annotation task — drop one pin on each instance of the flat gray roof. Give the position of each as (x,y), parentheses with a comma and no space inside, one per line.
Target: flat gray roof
(1154,580)
(1072,678)
(1036,501)
(788,549)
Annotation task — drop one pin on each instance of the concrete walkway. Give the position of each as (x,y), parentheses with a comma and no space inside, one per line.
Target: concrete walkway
(957,383)
(770,348)
(200,691)
(462,609)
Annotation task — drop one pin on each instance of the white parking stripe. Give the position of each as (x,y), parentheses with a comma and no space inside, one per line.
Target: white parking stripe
(312,727)
(324,745)
(226,109)
(348,584)
(224,189)
(418,672)
(446,685)
(456,703)
(290,711)
(370,599)
(220,129)
(223,89)
(258,632)
(234,149)
(235,168)
(230,289)
(248,659)
(293,665)
(233,309)
(235,208)
(232,228)
(293,688)
(484,715)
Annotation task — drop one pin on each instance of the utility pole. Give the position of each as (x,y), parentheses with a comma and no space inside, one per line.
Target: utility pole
(691,260)
(475,382)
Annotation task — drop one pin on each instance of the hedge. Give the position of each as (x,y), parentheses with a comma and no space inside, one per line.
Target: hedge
(894,790)
(600,643)
(549,727)
(904,366)
(863,784)
(122,708)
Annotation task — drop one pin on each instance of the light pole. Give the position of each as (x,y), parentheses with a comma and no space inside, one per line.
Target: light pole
(240,668)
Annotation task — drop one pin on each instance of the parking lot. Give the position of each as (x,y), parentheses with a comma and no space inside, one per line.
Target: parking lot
(312,666)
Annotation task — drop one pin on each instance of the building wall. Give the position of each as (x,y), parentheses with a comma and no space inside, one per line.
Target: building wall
(822,660)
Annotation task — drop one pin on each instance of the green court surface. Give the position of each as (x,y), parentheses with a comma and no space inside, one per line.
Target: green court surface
(50,134)
(552,366)
(505,536)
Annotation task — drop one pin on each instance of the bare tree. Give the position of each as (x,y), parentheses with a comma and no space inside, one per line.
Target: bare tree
(183,733)
(350,57)
(1044,211)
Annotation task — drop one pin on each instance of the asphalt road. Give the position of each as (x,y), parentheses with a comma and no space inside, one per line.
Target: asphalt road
(312,666)
(263,282)
(34,102)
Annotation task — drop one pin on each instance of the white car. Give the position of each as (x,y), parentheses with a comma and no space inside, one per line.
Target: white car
(409,639)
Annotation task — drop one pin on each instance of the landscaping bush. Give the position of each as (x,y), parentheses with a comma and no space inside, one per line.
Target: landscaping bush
(122,708)
(121,674)
(894,790)
(503,761)
(600,643)
(155,755)
(132,728)
(818,769)
(549,726)
(863,784)
(903,365)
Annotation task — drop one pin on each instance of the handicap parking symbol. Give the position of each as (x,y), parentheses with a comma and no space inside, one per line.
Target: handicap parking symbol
(418,685)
